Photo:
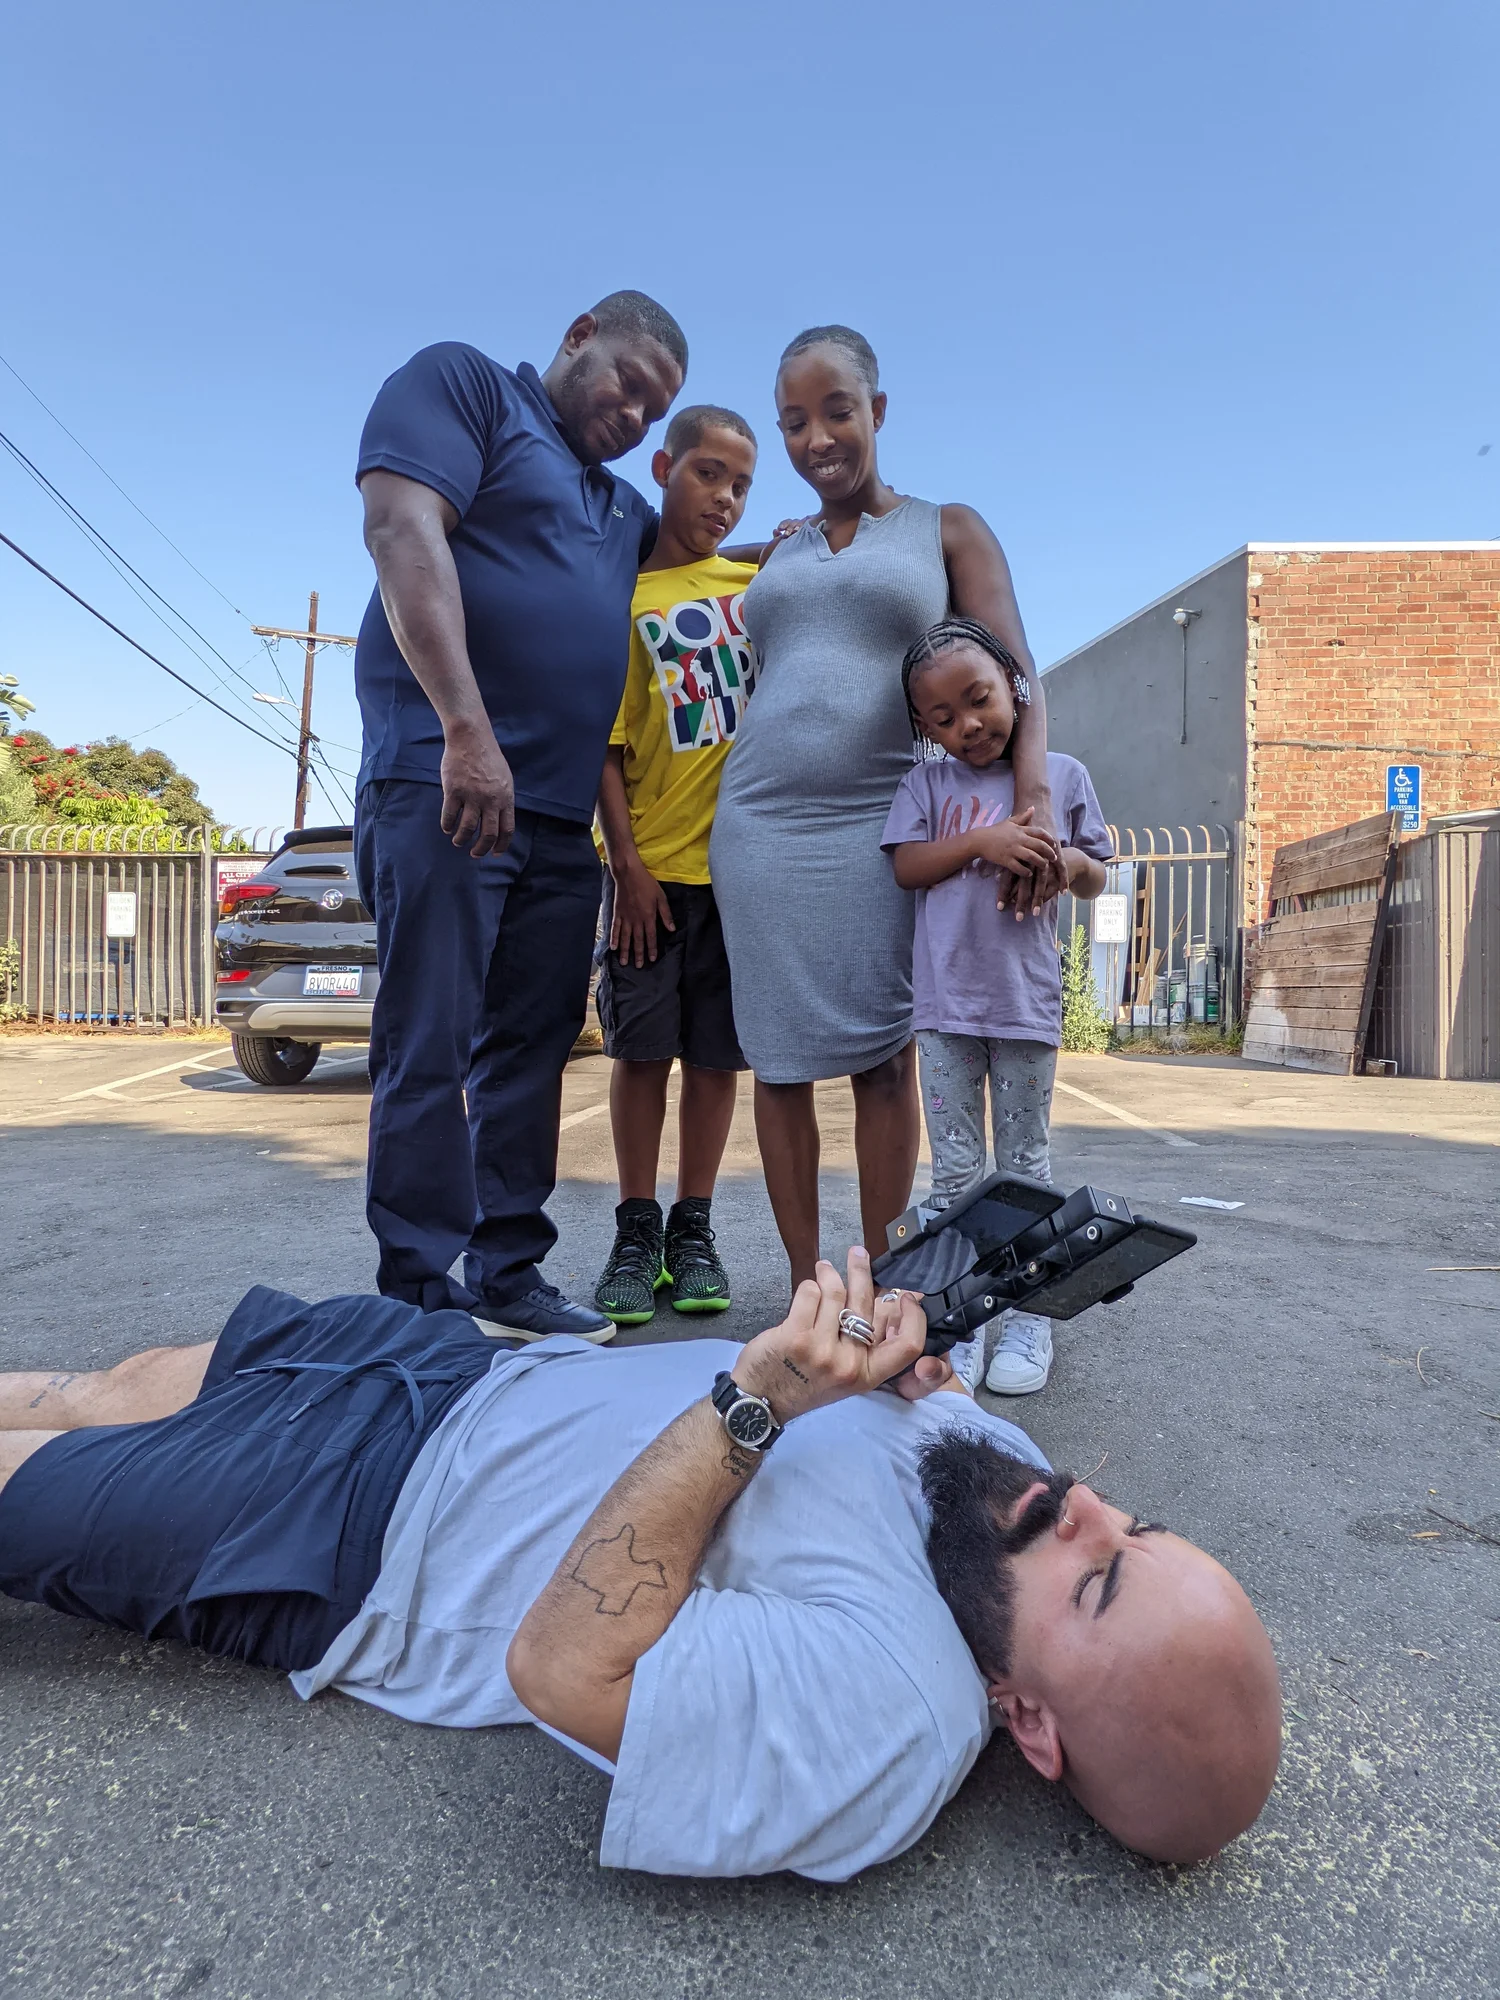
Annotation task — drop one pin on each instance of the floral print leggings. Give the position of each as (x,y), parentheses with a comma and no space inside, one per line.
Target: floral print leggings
(954,1070)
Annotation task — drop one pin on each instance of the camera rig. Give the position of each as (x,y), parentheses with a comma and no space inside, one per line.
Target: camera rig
(1012,1241)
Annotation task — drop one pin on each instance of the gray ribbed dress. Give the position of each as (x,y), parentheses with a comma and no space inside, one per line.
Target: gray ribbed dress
(819,936)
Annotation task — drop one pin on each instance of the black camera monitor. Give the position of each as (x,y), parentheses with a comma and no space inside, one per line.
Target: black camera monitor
(1016,1242)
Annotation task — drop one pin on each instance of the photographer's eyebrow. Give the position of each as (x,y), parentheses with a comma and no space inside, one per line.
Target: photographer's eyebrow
(1111,1584)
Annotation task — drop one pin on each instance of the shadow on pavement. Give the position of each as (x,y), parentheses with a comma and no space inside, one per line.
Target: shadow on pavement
(1297,1397)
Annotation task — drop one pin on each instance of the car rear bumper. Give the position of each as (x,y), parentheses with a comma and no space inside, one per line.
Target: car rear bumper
(297,1020)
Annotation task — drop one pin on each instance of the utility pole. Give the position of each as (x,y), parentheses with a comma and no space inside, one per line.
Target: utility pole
(312,638)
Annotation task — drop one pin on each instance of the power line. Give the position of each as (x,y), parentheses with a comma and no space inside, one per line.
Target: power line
(122,563)
(175,716)
(120,489)
(274,742)
(348,796)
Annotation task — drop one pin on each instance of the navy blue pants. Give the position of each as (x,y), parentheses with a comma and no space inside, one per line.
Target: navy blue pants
(484,971)
(249,1523)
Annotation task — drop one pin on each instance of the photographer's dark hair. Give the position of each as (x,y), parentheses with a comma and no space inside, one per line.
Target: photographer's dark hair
(854,345)
(943,637)
(971,1489)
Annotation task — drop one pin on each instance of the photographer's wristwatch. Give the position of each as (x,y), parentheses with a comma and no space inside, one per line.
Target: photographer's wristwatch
(747,1419)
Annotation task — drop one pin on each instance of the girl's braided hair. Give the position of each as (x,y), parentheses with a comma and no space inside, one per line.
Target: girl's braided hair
(942,638)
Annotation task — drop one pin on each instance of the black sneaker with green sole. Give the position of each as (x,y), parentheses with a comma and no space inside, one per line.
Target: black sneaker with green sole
(635,1273)
(700,1284)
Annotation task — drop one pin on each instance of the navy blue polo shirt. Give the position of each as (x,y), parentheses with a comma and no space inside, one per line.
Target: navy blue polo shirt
(547,551)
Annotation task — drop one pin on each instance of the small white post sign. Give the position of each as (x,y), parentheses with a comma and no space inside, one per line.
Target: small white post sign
(119,913)
(1111,919)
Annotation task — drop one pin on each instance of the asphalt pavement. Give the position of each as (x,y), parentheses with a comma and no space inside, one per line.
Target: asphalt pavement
(1313,1394)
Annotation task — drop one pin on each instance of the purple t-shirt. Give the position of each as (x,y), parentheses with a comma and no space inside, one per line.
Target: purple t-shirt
(976,970)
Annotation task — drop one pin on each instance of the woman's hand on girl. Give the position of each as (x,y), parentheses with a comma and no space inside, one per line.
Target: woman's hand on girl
(1025,851)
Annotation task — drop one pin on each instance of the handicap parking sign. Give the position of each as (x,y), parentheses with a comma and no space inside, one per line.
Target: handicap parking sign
(1403,794)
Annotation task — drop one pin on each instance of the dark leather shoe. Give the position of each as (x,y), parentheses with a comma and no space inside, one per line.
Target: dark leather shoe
(540,1312)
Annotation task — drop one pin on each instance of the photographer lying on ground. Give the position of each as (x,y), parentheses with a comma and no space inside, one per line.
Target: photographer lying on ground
(606,1543)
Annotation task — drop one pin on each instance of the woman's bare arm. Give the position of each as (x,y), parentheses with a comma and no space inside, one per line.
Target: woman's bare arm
(979,586)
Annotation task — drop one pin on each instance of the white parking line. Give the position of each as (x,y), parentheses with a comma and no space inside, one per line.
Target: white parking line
(1125,1117)
(577,1117)
(140,1076)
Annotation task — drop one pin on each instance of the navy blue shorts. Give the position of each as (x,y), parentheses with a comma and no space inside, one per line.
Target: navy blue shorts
(679,1003)
(250,1523)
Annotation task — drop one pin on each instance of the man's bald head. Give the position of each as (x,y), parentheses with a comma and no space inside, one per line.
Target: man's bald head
(1171,1739)
(1125,1661)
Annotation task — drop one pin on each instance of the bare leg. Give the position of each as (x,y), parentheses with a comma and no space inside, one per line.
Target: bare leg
(887,1136)
(137,1391)
(637,1111)
(704,1116)
(17,1446)
(786,1128)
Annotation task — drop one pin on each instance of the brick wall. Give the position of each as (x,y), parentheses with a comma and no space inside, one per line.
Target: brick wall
(1358,659)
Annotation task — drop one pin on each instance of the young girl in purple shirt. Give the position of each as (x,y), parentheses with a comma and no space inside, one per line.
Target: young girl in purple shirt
(986,981)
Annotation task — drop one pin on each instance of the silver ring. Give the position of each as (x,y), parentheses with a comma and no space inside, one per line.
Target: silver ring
(856,1327)
(890,1298)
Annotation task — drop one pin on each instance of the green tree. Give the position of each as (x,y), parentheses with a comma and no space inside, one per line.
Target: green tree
(17,793)
(70,783)
(1085,1026)
(13,704)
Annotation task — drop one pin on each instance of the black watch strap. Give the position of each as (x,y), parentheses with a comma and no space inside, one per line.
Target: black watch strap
(725,1393)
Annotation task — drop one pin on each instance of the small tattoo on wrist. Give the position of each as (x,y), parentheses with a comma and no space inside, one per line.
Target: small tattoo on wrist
(792,1368)
(739,1463)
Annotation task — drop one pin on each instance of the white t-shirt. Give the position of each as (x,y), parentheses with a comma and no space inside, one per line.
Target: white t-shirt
(811,1706)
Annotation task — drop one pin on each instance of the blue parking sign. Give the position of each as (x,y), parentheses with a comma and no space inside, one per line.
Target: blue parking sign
(1403,794)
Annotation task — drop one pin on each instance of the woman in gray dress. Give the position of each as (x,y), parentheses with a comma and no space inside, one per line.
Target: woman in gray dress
(819,935)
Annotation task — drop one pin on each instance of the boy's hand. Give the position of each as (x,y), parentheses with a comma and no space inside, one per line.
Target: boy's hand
(1021,849)
(640,903)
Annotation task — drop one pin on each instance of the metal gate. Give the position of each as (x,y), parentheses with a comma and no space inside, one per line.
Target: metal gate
(1179,963)
(59,887)
(114,926)
(1437,993)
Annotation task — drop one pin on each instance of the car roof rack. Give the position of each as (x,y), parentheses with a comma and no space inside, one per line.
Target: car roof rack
(313,836)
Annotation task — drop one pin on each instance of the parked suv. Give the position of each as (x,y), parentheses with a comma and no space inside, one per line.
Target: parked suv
(295,955)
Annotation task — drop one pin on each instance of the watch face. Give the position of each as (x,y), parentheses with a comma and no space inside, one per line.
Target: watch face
(749,1423)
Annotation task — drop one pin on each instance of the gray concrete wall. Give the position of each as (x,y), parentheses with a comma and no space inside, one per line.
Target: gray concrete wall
(1117,705)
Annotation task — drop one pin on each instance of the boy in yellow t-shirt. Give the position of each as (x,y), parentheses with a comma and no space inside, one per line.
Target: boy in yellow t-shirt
(663,987)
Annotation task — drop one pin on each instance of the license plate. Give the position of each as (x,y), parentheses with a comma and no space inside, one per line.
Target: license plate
(326,980)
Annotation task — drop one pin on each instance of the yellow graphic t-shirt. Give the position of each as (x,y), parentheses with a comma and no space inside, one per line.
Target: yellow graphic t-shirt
(691,672)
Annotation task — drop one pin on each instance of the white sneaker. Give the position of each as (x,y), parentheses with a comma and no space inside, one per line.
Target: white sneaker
(1023,1360)
(966,1359)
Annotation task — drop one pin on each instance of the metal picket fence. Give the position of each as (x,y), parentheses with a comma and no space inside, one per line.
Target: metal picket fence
(114,926)
(1171,957)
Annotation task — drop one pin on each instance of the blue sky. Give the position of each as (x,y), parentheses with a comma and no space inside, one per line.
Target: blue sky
(1146,281)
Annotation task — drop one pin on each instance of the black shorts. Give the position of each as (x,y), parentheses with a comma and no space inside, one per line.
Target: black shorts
(250,1523)
(679,1005)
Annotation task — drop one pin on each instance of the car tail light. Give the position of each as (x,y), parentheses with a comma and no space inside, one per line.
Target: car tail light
(233,978)
(234,894)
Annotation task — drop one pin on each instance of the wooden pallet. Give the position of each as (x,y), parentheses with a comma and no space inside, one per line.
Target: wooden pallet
(1317,959)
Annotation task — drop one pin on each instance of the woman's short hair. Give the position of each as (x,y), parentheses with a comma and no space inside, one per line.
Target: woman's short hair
(854,345)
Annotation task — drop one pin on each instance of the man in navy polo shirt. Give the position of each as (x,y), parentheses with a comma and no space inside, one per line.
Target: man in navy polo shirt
(489,670)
